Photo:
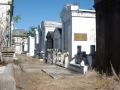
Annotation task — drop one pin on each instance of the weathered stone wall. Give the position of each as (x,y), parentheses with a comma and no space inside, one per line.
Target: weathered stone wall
(108,35)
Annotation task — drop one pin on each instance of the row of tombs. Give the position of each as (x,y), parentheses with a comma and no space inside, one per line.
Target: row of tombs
(58,42)
(81,62)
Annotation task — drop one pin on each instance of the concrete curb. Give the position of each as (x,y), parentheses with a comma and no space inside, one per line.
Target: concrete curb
(8,70)
(48,74)
(7,82)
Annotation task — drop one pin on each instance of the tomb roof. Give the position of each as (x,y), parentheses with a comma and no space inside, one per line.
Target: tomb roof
(49,34)
(71,7)
(59,29)
(51,23)
(18,32)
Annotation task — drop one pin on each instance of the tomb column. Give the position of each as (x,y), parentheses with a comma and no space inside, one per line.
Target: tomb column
(29,38)
(36,36)
(78,55)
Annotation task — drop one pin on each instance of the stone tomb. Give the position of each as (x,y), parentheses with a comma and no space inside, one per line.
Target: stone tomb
(57,37)
(78,28)
(45,27)
(82,62)
(8,53)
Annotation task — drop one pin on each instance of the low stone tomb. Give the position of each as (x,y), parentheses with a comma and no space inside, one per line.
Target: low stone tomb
(7,54)
(79,63)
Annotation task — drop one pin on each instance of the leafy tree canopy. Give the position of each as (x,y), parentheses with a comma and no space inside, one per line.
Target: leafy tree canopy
(30,32)
(16,18)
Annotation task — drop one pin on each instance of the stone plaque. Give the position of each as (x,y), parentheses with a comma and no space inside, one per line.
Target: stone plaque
(80,36)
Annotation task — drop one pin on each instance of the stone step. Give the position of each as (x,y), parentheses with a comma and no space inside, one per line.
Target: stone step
(78,68)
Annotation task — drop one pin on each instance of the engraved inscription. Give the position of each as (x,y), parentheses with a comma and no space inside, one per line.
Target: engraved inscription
(80,36)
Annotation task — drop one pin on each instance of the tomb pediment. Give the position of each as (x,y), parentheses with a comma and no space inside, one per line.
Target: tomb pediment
(66,8)
(49,35)
(51,23)
(57,32)
(69,7)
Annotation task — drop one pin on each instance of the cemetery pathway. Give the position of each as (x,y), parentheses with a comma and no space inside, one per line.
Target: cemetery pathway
(53,70)
(37,75)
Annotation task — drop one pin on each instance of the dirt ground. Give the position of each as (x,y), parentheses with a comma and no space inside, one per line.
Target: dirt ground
(39,80)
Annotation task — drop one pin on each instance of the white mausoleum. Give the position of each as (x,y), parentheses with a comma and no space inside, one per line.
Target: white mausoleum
(45,27)
(78,28)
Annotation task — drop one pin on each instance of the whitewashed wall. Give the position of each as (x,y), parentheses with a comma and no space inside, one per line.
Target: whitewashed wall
(36,37)
(31,46)
(25,46)
(84,25)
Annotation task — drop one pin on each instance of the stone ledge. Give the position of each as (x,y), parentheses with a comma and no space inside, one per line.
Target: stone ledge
(7,80)
(78,68)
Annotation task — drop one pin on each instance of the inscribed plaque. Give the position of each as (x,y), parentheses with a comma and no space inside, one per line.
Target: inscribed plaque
(80,36)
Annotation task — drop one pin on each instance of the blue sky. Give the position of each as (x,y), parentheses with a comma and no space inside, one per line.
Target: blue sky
(34,11)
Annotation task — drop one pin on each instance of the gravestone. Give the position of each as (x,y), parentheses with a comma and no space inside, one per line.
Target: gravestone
(66,60)
(55,56)
(58,58)
(62,59)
